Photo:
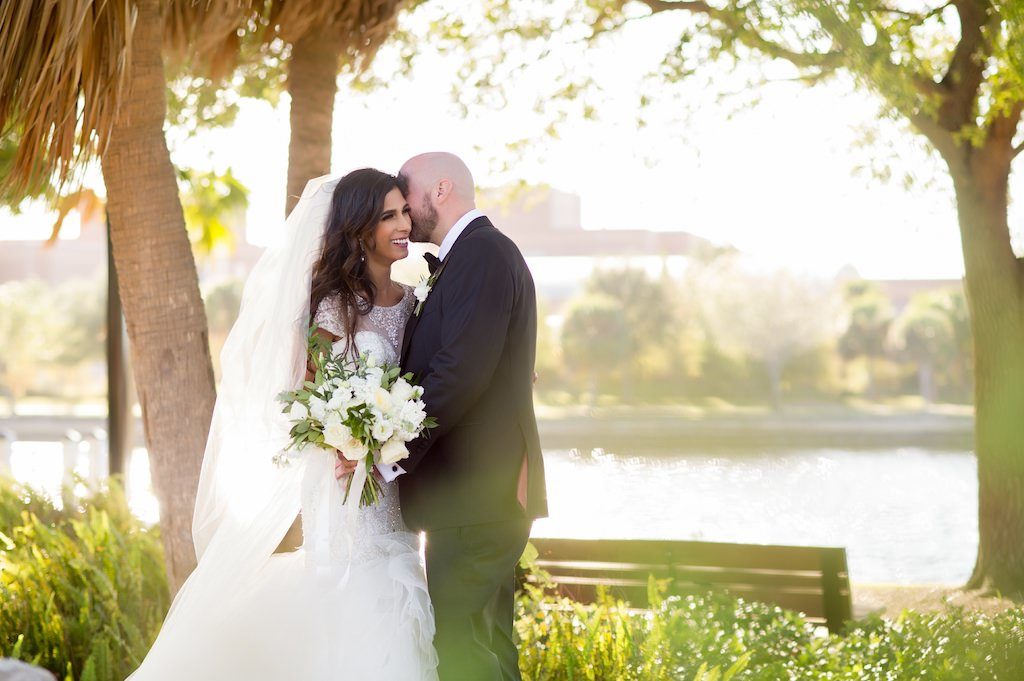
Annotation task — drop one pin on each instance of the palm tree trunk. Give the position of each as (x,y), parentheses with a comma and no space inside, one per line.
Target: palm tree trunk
(160,293)
(312,85)
(995,294)
(119,415)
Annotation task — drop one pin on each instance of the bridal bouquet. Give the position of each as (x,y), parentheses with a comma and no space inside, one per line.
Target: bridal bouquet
(365,410)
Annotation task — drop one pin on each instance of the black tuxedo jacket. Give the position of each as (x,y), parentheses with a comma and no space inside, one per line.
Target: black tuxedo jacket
(472,348)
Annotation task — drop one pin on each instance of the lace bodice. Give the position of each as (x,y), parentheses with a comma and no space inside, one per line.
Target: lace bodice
(378,333)
(382,323)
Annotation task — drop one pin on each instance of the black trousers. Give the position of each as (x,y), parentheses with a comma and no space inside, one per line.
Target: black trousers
(471,579)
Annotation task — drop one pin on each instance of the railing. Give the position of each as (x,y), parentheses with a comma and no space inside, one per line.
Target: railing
(76,435)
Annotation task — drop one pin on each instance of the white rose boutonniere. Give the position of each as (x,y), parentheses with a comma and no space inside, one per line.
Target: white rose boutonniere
(424,288)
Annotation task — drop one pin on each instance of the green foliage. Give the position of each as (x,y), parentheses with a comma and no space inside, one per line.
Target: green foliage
(714,636)
(49,328)
(596,338)
(869,316)
(83,590)
(210,201)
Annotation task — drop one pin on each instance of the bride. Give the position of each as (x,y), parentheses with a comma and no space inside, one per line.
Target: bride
(351,602)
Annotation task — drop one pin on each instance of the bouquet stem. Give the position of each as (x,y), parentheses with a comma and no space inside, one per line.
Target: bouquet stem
(371,492)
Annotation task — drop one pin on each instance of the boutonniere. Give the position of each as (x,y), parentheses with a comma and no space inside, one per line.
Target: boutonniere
(423,289)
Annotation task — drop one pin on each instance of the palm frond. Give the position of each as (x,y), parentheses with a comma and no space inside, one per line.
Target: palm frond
(361,25)
(63,75)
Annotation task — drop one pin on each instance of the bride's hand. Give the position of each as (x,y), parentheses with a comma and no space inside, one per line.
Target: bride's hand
(343,466)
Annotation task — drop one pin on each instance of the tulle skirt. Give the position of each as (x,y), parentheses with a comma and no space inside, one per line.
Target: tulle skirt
(295,623)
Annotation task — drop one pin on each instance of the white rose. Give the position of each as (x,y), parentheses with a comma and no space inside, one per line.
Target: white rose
(401,391)
(393,451)
(417,392)
(355,450)
(337,434)
(340,437)
(298,411)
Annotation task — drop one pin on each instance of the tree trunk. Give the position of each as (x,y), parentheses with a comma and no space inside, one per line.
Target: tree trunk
(160,294)
(119,415)
(996,302)
(312,85)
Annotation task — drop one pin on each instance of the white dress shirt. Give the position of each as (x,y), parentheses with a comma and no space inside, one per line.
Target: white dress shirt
(457,229)
(391,472)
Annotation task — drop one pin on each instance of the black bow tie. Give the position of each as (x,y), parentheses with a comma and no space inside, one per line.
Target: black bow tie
(433,262)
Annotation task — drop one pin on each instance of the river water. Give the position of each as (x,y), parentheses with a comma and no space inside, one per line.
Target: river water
(904,515)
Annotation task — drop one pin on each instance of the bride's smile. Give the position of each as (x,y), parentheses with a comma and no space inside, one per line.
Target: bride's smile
(391,237)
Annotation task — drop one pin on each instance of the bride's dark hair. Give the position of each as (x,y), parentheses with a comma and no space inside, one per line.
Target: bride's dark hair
(356,207)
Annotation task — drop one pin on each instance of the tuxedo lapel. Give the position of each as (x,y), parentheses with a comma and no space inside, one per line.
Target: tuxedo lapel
(410,326)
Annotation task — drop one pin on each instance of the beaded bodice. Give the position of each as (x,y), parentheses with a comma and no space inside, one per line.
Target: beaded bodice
(385,322)
(323,516)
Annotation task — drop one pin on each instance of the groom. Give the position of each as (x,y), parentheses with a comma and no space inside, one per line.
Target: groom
(476,481)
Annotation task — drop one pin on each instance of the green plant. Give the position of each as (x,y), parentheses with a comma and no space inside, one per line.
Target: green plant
(83,590)
(715,637)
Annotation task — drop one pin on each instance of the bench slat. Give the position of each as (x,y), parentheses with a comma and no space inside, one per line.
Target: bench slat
(807,579)
(684,553)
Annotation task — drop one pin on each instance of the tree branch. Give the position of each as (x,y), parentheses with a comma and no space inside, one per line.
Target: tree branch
(748,35)
(966,70)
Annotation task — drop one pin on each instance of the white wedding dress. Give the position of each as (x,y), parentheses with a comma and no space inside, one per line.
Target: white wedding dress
(351,604)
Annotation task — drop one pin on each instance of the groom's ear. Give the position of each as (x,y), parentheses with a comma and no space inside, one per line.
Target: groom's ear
(444,190)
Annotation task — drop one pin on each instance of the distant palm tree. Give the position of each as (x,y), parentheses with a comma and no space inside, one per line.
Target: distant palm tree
(325,37)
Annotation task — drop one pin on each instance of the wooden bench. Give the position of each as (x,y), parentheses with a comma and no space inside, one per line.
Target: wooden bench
(809,579)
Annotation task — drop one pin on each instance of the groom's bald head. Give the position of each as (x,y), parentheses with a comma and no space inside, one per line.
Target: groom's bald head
(439,188)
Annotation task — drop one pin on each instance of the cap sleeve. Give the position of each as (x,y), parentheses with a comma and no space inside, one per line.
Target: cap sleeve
(328,316)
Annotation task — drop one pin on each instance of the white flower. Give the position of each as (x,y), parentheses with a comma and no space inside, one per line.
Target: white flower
(340,437)
(337,434)
(401,391)
(382,430)
(393,451)
(422,289)
(317,408)
(382,400)
(298,411)
(340,399)
(375,376)
(413,413)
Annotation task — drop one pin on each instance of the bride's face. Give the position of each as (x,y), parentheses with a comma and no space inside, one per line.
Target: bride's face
(391,236)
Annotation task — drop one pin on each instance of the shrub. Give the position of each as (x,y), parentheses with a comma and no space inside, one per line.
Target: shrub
(82,591)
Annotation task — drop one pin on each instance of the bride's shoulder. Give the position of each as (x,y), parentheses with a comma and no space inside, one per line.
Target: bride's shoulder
(328,314)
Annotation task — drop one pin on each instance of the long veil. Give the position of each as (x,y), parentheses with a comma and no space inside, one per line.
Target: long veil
(245,502)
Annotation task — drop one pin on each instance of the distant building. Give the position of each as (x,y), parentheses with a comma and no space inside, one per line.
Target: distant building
(546,222)
(900,291)
(85,256)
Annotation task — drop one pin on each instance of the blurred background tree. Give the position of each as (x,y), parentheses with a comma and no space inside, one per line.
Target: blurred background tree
(869,316)
(949,72)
